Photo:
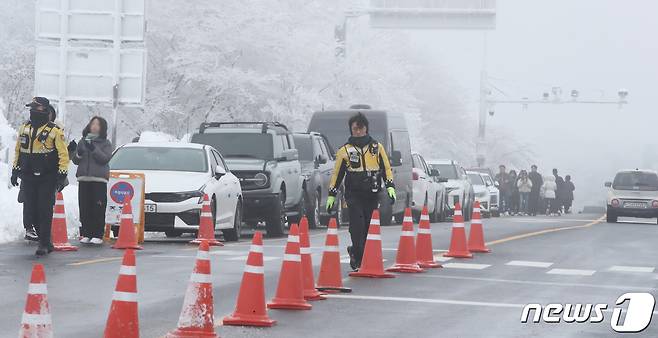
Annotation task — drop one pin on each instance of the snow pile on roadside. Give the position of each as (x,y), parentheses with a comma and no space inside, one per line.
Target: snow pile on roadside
(156,136)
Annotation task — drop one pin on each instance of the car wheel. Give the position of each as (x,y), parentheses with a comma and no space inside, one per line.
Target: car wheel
(611,217)
(233,234)
(173,233)
(314,219)
(277,220)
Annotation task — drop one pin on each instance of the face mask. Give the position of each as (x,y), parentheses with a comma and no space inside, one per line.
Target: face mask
(38,118)
(91,136)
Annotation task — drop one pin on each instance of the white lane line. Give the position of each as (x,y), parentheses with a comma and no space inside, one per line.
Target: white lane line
(529,282)
(227,252)
(571,272)
(244,258)
(441,258)
(347,260)
(471,266)
(395,249)
(427,300)
(622,268)
(530,264)
(172,256)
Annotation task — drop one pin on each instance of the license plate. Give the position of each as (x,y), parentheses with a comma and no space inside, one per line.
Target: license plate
(150,208)
(635,205)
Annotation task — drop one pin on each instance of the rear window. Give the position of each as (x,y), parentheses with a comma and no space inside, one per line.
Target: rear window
(636,180)
(476,179)
(236,144)
(304,145)
(335,128)
(447,170)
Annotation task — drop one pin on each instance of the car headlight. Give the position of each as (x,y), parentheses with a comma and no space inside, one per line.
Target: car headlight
(186,195)
(260,180)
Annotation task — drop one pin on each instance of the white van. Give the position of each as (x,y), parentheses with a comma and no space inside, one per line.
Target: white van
(633,193)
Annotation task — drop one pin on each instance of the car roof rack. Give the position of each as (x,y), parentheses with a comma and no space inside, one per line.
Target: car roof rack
(264,125)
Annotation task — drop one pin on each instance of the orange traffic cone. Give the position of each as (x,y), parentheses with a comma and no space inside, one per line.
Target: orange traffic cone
(372,265)
(58,231)
(310,293)
(406,261)
(250,309)
(36,320)
(206,225)
(330,277)
(476,235)
(127,238)
(424,251)
(290,292)
(196,317)
(458,247)
(123,320)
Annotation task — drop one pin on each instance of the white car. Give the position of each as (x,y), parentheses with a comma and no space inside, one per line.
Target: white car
(482,193)
(428,190)
(177,177)
(633,193)
(493,192)
(458,186)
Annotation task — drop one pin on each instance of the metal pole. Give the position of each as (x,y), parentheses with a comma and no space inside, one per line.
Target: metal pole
(63,57)
(116,67)
(480,146)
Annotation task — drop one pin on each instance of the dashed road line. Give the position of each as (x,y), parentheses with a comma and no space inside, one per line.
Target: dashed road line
(571,272)
(530,264)
(469,266)
(622,268)
(98,260)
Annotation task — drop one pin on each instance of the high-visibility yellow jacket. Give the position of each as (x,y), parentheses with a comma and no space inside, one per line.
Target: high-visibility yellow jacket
(41,151)
(363,168)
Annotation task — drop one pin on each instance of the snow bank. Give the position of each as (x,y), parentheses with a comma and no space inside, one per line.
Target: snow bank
(156,136)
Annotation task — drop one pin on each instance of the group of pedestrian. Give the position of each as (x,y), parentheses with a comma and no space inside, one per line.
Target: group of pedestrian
(529,193)
(41,164)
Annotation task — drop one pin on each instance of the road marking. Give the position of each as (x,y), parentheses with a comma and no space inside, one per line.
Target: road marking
(571,272)
(427,300)
(552,220)
(471,266)
(529,282)
(621,268)
(172,256)
(244,258)
(98,260)
(441,258)
(545,231)
(530,264)
(227,252)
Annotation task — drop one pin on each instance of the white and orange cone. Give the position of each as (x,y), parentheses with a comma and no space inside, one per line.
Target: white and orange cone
(330,278)
(290,291)
(310,293)
(476,234)
(406,261)
(372,265)
(424,251)
(458,247)
(123,320)
(36,320)
(58,229)
(206,225)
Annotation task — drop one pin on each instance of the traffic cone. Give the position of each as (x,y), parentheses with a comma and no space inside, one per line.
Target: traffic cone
(58,229)
(196,318)
(127,237)
(123,320)
(310,293)
(330,278)
(406,261)
(250,309)
(424,251)
(206,228)
(476,234)
(372,265)
(290,292)
(458,247)
(36,320)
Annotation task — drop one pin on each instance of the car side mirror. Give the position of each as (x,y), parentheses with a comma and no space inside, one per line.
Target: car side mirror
(608,184)
(322,159)
(496,184)
(218,172)
(290,155)
(396,158)
(435,172)
(442,179)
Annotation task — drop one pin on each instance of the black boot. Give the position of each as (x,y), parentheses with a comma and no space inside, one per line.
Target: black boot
(353,263)
(44,249)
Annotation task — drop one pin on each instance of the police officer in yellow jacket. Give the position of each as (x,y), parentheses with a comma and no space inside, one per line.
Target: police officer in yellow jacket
(41,162)
(363,162)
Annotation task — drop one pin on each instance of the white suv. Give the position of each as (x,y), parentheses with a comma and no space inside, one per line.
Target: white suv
(633,193)
(458,187)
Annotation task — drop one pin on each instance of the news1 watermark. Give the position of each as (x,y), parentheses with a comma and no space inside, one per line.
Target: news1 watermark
(635,318)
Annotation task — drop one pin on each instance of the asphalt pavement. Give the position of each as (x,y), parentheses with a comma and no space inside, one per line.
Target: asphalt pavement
(567,260)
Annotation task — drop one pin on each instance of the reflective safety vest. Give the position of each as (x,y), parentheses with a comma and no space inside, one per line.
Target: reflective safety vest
(41,151)
(364,169)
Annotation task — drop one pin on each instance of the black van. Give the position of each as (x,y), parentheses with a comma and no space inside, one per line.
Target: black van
(390,129)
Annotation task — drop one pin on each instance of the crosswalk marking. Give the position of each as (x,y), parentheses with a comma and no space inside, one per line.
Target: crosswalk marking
(471,266)
(571,272)
(530,264)
(622,268)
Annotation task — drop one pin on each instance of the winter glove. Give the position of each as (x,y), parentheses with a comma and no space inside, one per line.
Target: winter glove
(72,146)
(330,203)
(391,194)
(14,177)
(90,145)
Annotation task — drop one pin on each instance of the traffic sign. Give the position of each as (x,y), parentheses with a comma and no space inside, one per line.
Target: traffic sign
(433,14)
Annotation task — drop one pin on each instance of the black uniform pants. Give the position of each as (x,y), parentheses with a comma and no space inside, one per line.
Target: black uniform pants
(39,201)
(360,206)
(92,200)
(28,223)
(533,203)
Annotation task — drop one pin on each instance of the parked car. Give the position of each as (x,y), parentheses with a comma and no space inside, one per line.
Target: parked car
(177,176)
(493,192)
(633,193)
(458,187)
(482,193)
(429,190)
(264,158)
(390,129)
(317,159)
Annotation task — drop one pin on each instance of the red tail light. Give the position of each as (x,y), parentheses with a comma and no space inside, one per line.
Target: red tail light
(614,202)
(414,175)
(654,204)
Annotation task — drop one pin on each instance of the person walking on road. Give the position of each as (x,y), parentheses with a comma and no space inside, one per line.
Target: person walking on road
(559,182)
(363,163)
(568,194)
(537,182)
(513,193)
(92,155)
(41,162)
(524,184)
(550,193)
(503,188)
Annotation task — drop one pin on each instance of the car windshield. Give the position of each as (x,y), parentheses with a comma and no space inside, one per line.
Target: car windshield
(636,180)
(476,179)
(487,179)
(447,170)
(247,145)
(304,145)
(159,158)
